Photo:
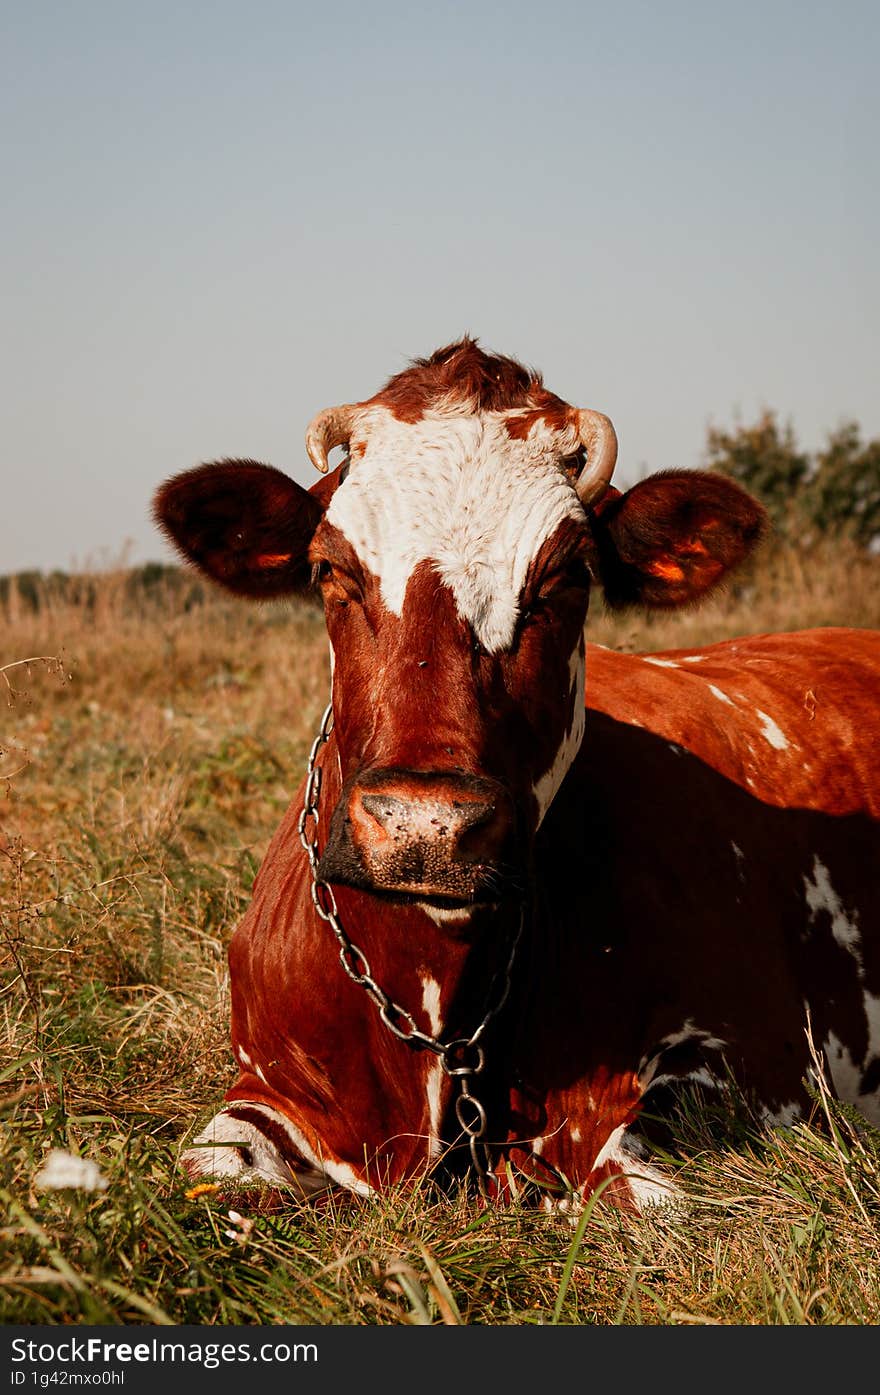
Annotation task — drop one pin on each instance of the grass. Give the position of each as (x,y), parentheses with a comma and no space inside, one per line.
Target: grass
(149,748)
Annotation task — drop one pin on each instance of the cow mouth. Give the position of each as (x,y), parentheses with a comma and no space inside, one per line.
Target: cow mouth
(420,875)
(466,888)
(433,899)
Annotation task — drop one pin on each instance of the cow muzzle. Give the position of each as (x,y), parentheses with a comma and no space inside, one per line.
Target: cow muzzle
(433,836)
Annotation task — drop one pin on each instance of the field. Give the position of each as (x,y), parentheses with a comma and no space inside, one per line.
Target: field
(151,739)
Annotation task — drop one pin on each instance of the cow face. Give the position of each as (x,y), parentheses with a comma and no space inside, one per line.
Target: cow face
(453,563)
(454,551)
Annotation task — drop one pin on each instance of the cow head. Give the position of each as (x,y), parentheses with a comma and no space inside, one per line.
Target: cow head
(455,549)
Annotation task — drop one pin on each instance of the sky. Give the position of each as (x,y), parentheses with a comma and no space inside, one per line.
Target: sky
(220,218)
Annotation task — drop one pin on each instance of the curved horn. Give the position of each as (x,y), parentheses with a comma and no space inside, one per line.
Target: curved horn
(329,428)
(600,439)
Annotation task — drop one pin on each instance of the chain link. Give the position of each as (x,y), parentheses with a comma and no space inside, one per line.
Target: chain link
(460,1059)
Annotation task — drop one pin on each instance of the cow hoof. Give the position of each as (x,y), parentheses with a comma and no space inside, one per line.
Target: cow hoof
(235,1151)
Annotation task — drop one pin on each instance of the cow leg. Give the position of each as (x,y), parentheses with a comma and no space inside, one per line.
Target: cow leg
(248,1142)
(631,1181)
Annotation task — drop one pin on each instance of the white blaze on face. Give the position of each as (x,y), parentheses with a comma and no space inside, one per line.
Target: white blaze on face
(455,490)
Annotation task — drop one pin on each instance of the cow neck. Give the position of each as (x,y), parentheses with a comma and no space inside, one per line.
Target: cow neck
(462,1058)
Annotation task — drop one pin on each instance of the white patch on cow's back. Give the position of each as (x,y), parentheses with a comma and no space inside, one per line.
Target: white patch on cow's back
(692,658)
(660,663)
(717,693)
(545,788)
(456,490)
(821,896)
(771,732)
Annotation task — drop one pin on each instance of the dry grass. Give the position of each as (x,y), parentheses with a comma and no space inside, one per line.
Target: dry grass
(833,584)
(149,750)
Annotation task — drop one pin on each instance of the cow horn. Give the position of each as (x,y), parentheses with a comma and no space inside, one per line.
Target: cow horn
(329,428)
(600,439)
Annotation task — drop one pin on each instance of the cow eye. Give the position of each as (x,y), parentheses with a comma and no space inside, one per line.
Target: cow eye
(577,574)
(338,585)
(573,577)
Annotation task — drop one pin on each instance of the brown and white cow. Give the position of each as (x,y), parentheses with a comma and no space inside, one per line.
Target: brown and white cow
(587,909)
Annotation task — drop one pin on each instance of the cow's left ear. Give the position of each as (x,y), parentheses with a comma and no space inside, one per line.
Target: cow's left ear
(672,538)
(245,525)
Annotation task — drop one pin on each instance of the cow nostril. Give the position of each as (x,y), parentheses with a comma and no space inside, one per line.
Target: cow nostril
(381,808)
(472,814)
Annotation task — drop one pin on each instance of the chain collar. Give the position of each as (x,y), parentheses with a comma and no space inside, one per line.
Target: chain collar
(461,1059)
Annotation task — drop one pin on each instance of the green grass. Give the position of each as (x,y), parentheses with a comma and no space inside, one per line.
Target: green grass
(139,798)
(770,1229)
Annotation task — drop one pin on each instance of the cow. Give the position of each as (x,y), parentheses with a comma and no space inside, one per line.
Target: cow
(527,882)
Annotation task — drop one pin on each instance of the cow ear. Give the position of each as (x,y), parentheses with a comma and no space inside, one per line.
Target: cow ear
(672,538)
(244,525)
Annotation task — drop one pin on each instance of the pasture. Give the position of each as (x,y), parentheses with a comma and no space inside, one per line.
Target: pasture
(151,741)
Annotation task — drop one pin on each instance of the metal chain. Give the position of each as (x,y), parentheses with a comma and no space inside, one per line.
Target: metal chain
(460,1059)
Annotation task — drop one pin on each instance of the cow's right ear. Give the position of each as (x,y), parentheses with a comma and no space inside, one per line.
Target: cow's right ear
(243,524)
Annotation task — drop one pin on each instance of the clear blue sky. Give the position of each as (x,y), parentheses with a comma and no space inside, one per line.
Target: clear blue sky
(219,218)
